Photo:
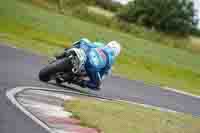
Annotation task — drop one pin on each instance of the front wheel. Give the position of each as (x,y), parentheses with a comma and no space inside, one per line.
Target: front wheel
(47,72)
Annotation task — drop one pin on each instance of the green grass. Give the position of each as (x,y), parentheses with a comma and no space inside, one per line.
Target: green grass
(92,13)
(45,32)
(114,117)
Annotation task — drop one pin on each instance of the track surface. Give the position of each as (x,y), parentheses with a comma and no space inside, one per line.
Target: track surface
(19,68)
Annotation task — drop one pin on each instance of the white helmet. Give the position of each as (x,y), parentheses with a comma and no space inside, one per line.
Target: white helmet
(115,46)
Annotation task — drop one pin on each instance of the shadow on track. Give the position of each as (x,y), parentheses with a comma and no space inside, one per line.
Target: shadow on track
(85,92)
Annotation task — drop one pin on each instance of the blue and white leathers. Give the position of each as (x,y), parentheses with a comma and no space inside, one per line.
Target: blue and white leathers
(98,63)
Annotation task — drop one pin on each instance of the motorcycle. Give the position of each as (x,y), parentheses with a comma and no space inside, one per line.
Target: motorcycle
(69,68)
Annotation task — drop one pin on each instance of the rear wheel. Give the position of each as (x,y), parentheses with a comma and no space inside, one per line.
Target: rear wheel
(49,71)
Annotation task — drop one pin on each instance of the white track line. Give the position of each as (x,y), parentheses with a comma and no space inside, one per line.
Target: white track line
(11,96)
(18,89)
(48,93)
(180,92)
(150,106)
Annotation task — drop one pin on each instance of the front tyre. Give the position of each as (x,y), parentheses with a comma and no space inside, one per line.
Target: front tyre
(44,74)
(58,66)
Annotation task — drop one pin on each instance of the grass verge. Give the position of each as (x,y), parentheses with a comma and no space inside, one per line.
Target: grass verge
(114,117)
(47,32)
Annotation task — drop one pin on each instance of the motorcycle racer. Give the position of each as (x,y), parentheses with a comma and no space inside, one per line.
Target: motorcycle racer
(100,58)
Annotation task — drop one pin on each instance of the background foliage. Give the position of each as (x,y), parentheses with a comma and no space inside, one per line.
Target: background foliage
(174,16)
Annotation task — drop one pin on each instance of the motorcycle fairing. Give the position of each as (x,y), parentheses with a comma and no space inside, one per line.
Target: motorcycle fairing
(81,59)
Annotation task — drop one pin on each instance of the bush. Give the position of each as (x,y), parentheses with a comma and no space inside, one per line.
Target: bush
(83,13)
(174,16)
(72,3)
(196,32)
(108,4)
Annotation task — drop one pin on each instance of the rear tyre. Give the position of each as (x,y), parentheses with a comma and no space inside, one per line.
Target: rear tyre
(49,71)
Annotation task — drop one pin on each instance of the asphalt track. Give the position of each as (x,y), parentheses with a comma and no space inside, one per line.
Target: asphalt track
(20,68)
